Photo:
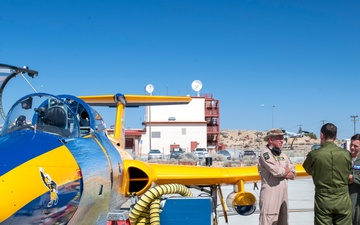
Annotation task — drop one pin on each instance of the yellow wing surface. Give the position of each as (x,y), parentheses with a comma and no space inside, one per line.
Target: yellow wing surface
(120,101)
(139,175)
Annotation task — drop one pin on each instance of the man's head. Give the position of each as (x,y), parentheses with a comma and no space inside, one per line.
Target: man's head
(355,145)
(328,132)
(275,138)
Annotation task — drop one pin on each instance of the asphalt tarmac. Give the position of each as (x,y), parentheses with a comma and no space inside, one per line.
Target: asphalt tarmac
(301,204)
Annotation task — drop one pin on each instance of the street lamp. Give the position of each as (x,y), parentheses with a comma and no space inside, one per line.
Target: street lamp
(272,114)
(354,119)
(149,89)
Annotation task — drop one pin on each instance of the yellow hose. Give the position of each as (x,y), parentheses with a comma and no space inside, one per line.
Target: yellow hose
(155,212)
(147,209)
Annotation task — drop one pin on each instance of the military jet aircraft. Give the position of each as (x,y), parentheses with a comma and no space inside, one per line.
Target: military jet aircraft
(300,133)
(294,136)
(59,165)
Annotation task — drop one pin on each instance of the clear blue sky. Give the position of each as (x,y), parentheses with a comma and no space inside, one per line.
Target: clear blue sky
(303,57)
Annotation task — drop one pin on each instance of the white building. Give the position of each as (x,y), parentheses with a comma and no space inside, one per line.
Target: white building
(187,126)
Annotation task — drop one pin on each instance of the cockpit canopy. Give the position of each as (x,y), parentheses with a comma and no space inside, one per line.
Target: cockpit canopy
(42,112)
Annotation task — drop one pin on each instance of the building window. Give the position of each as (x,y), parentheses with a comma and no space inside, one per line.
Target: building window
(183,131)
(156,134)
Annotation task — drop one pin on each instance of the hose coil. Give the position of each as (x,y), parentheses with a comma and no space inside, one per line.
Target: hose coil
(147,209)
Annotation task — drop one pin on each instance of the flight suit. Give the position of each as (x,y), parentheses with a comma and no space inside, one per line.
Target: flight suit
(330,167)
(274,189)
(354,191)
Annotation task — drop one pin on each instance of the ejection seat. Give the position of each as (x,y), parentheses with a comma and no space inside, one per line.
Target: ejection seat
(55,121)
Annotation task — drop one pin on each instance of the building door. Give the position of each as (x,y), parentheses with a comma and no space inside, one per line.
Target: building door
(193,145)
(129,144)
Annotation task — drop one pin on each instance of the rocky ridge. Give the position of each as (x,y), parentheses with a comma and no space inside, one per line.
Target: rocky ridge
(254,140)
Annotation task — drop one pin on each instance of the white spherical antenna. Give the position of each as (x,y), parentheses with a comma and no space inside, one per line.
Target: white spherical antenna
(149,88)
(196,86)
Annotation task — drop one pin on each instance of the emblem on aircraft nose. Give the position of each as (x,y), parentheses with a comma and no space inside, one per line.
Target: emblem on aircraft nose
(51,185)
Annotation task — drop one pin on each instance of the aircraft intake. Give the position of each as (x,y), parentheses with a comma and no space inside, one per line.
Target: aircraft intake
(243,203)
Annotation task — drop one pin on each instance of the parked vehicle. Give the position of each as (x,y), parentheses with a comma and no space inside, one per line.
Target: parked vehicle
(225,153)
(176,152)
(201,153)
(247,153)
(315,147)
(155,154)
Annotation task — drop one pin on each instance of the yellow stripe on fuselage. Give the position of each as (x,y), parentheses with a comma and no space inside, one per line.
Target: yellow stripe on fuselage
(24,183)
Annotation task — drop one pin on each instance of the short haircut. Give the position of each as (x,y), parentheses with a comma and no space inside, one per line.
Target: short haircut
(329,131)
(355,137)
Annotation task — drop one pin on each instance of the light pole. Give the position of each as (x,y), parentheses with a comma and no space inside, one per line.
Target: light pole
(272,116)
(149,128)
(149,89)
(354,119)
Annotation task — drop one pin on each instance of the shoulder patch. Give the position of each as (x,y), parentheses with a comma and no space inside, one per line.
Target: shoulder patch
(356,167)
(266,156)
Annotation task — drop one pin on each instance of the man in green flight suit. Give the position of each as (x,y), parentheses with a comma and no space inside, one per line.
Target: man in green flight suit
(330,167)
(354,179)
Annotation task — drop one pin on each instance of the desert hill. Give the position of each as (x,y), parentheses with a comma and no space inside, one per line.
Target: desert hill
(254,140)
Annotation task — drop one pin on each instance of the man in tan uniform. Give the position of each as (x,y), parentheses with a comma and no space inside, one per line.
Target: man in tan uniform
(275,168)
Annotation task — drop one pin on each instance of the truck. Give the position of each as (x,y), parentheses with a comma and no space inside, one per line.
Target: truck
(201,153)
(155,154)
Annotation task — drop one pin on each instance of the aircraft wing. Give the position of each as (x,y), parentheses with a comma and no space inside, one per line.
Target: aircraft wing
(134,100)
(121,101)
(139,175)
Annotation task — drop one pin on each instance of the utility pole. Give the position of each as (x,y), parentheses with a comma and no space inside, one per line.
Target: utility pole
(354,119)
